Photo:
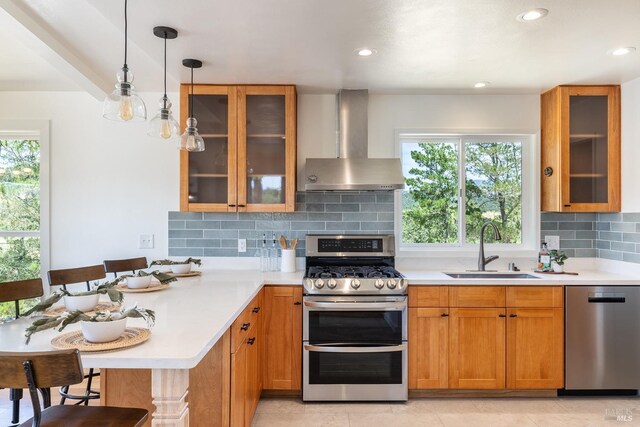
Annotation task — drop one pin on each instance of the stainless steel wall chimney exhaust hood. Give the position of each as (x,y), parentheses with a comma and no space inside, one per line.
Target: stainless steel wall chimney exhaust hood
(353,170)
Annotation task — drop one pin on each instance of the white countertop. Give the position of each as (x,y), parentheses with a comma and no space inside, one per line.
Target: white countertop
(191,315)
(195,312)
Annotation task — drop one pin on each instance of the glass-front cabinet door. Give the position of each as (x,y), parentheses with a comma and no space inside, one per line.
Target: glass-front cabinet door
(266,148)
(591,151)
(208,178)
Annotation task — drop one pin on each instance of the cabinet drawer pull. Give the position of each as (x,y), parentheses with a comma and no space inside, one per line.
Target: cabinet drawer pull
(245,326)
(502,315)
(242,206)
(250,341)
(513,315)
(256,310)
(232,206)
(297,303)
(444,315)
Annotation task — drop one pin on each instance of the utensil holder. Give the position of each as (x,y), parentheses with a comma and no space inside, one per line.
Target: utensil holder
(288,262)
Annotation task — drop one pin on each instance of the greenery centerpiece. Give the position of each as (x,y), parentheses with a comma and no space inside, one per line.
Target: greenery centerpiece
(142,279)
(67,319)
(178,267)
(557,260)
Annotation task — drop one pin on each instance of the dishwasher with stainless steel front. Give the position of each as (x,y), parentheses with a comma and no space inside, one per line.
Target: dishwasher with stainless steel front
(602,338)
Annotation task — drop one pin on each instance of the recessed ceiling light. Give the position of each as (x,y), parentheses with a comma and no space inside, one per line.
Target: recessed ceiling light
(365,51)
(532,15)
(481,84)
(619,51)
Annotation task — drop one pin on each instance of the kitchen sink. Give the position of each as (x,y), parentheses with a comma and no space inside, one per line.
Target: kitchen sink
(491,275)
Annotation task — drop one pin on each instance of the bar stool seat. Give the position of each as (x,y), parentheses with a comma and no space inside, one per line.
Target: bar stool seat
(90,416)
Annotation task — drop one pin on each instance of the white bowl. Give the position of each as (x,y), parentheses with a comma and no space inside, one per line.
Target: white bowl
(103,331)
(138,282)
(81,302)
(180,268)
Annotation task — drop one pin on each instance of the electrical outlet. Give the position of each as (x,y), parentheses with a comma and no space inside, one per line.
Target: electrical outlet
(553,242)
(146,241)
(242,245)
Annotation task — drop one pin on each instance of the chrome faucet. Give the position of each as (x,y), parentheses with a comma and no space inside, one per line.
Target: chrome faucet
(482,261)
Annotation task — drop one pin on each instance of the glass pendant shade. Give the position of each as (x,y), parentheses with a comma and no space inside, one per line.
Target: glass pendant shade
(124,104)
(191,139)
(163,125)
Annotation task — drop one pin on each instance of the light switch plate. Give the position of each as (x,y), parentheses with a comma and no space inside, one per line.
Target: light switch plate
(146,241)
(242,245)
(553,242)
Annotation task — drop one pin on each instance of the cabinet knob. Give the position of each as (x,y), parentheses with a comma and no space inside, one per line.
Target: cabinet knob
(297,303)
(444,315)
(245,326)
(502,315)
(548,171)
(513,315)
(256,310)
(250,341)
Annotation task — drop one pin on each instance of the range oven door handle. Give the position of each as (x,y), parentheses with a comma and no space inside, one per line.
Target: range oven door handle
(339,349)
(359,306)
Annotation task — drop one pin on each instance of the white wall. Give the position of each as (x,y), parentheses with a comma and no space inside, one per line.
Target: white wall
(631,146)
(388,113)
(110,182)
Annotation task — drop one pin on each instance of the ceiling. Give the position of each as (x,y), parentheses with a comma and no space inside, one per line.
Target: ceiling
(437,46)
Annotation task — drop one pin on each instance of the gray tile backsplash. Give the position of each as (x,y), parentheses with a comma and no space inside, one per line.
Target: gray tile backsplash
(217,234)
(607,235)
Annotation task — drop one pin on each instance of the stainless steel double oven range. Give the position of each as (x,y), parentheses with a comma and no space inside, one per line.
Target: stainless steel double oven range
(354,320)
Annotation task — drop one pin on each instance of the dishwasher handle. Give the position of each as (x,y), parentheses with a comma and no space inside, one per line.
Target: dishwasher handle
(604,298)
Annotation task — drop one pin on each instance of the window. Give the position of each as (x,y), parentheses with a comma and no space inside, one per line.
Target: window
(454,184)
(23,232)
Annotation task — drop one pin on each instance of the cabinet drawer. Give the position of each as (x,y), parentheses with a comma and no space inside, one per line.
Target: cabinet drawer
(429,296)
(477,296)
(244,324)
(534,297)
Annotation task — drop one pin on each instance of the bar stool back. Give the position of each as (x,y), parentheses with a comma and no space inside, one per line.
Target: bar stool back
(68,276)
(116,266)
(38,371)
(17,291)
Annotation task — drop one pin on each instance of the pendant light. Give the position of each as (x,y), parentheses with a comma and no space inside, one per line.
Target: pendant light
(123,103)
(163,125)
(191,140)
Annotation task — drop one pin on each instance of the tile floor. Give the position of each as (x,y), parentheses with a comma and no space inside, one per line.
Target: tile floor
(431,412)
(452,412)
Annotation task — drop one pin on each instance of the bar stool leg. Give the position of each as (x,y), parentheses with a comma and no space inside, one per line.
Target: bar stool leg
(15,394)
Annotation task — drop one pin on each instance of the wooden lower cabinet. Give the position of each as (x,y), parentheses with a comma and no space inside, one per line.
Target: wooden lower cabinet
(428,348)
(239,387)
(282,367)
(477,348)
(535,348)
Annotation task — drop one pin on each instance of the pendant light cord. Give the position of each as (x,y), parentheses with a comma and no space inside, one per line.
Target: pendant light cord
(191,99)
(126,68)
(164,98)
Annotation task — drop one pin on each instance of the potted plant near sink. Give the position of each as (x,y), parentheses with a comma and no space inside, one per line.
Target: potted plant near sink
(557,260)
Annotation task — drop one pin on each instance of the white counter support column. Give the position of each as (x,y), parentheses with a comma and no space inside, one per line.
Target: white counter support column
(169,388)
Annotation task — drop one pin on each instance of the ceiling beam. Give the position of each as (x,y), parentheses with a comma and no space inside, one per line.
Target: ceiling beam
(47,44)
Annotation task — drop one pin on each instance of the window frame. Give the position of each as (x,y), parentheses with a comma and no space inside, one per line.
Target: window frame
(530,201)
(35,129)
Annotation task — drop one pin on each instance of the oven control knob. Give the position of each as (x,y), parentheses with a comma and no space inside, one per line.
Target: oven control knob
(379,284)
(355,284)
(391,284)
(319,283)
(332,283)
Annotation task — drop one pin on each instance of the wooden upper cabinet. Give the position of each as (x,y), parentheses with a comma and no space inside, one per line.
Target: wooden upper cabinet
(580,149)
(249,162)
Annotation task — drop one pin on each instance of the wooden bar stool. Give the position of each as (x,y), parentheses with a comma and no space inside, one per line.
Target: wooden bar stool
(63,278)
(42,370)
(17,291)
(116,266)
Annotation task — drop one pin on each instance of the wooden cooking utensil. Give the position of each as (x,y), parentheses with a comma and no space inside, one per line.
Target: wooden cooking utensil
(294,243)
(283,242)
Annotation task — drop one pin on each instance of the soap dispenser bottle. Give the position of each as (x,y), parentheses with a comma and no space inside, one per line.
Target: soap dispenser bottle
(544,258)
